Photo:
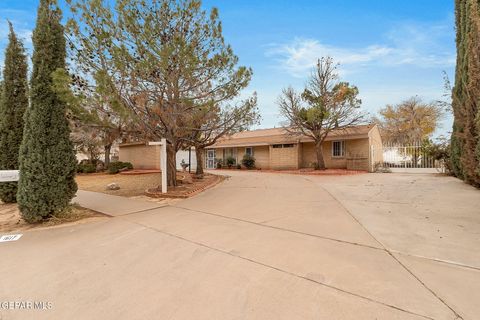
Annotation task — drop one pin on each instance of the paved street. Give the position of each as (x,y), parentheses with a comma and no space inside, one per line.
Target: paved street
(261,246)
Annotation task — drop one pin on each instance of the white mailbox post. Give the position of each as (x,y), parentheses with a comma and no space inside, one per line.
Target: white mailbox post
(163,161)
(9,175)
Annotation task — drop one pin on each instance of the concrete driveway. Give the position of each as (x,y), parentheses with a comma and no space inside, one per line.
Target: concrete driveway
(262,246)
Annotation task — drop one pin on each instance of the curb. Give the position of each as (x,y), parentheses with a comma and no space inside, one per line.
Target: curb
(190,193)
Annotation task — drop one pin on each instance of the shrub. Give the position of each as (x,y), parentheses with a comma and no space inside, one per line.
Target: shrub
(230,161)
(248,161)
(90,166)
(441,152)
(381,167)
(219,163)
(86,168)
(239,166)
(117,166)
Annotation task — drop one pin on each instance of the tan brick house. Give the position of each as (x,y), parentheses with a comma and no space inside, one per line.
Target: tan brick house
(355,148)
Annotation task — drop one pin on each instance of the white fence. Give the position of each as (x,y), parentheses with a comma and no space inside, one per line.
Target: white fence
(188,156)
(410,158)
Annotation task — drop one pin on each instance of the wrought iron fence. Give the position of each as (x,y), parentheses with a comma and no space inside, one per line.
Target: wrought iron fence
(409,156)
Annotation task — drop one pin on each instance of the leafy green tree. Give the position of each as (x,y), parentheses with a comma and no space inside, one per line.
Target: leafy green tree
(47,159)
(164,60)
(325,104)
(13,104)
(465,143)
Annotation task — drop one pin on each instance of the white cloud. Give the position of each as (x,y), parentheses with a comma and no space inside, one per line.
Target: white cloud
(423,46)
(406,44)
(301,54)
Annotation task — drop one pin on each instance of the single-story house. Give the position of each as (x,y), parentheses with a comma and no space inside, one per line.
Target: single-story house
(354,148)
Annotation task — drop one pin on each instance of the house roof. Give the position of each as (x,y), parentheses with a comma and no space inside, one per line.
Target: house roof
(133,144)
(265,137)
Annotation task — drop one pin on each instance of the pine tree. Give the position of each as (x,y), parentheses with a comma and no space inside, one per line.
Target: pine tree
(466,93)
(47,160)
(13,104)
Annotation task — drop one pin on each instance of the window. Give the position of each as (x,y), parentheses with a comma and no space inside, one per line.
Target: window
(230,153)
(338,149)
(249,151)
(286,145)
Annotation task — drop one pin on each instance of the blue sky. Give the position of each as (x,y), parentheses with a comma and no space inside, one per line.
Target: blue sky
(390,49)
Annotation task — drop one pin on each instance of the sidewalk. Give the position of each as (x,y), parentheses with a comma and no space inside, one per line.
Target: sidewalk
(113,205)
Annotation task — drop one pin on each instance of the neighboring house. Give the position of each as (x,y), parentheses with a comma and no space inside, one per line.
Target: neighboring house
(355,148)
(142,156)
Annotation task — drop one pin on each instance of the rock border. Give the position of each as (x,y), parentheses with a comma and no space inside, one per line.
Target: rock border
(156,194)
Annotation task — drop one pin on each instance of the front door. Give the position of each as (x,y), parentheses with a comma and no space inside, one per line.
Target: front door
(210,159)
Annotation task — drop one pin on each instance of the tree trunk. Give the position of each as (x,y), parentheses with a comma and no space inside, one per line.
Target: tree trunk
(171,166)
(107,148)
(199,155)
(91,156)
(320,165)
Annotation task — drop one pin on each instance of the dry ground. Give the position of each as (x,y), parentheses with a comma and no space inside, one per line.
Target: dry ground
(130,185)
(10,219)
(136,185)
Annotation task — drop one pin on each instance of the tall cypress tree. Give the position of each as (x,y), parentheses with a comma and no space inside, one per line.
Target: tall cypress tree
(466,93)
(474,87)
(457,141)
(13,104)
(47,160)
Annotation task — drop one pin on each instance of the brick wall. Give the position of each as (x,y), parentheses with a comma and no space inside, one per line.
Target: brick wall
(309,156)
(334,162)
(141,156)
(262,157)
(284,158)
(376,155)
(356,155)
(299,155)
(357,164)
